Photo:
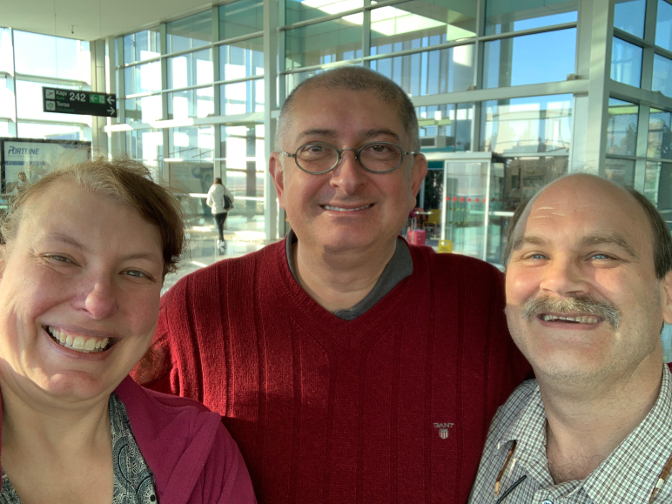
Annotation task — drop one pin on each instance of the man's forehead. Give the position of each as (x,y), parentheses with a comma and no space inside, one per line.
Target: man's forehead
(340,111)
(580,206)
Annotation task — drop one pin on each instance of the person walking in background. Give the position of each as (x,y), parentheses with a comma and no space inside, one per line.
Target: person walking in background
(220,201)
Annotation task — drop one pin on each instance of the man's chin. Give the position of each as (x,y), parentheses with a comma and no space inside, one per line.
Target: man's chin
(569,367)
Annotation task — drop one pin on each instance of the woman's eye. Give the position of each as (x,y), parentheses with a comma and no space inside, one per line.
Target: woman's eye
(137,274)
(600,256)
(59,258)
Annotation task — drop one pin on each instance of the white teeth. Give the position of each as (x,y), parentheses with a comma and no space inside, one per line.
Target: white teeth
(79,343)
(339,209)
(585,319)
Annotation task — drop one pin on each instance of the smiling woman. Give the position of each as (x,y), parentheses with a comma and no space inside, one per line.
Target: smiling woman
(83,258)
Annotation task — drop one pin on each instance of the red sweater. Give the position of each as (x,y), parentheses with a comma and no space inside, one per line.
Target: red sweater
(392,407)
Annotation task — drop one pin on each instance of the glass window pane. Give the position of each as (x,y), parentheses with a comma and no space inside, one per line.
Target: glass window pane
(445,128)
(660,135)
(294,79)
(657,183)
(535,124)
(240,18)
(192,103)
(6,51)
(321,43)
(192,69)
(143,109)
(303,10)
(4,128)
(145,145)
(629,16)
(143,78)
(49,56)
(419,24)
(242,97)
(626,63)
(512,182)
(6,98)
(192,143)
(664,25)
(620,171)
(241,59)
(190,32)
(243,173)
(530,59)
(504,16)
(142,46)
(431,72)
(52,131)
(662,75)
(622,127)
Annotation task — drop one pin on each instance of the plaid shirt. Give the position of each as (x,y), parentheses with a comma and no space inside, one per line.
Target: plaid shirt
(628,475)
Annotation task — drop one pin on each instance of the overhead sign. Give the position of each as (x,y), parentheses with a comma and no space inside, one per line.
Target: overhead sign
(68,101)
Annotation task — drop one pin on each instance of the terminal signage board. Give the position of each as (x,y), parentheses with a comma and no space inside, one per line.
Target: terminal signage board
(70,101)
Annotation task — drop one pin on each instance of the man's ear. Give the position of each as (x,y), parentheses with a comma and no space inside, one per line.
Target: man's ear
(418,173)
(667,298)
(277,174)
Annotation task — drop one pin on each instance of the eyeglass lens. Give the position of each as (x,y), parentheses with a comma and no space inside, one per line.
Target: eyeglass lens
(378,157)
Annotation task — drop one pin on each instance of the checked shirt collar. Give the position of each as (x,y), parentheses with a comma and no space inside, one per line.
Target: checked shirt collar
(628,474)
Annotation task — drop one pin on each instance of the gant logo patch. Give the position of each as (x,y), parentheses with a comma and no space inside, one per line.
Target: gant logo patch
(443,428)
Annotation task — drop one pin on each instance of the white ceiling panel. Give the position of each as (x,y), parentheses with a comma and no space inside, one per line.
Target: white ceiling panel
(92,19)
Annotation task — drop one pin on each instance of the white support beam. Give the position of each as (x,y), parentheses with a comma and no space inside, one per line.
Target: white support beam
(270,72)
(591,112)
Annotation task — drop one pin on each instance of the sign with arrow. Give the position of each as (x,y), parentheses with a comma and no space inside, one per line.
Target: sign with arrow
(68,101)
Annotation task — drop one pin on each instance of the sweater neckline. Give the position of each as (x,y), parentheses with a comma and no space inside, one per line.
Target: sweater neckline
(329,329)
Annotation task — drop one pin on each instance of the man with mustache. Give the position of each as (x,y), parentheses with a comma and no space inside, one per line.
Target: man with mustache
(588,286)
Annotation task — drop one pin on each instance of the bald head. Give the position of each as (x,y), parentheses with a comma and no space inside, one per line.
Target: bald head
(352,78)
(582,190)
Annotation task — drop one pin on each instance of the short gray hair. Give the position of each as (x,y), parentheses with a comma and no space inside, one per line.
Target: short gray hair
(355,78)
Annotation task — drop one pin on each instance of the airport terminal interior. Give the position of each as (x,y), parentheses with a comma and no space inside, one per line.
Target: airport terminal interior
(509,96)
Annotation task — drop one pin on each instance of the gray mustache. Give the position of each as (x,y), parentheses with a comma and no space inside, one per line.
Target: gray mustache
(586,305)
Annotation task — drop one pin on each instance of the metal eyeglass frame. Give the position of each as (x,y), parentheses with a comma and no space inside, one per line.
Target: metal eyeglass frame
(357,153)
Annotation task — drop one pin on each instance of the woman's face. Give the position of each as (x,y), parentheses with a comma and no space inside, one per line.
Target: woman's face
(79,296)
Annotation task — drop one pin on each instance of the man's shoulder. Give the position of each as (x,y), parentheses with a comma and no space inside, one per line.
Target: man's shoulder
(234,266)
(452,275)
(521,396)
(156,410)
(510,412)
(455,262)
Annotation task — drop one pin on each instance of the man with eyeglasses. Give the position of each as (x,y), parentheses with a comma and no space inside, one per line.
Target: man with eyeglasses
(349,366)
(588,286)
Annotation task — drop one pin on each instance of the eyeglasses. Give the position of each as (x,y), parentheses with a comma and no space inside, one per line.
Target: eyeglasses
(376,157)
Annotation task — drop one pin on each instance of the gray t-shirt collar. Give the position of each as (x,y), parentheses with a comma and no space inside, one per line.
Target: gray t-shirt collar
(399,267)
